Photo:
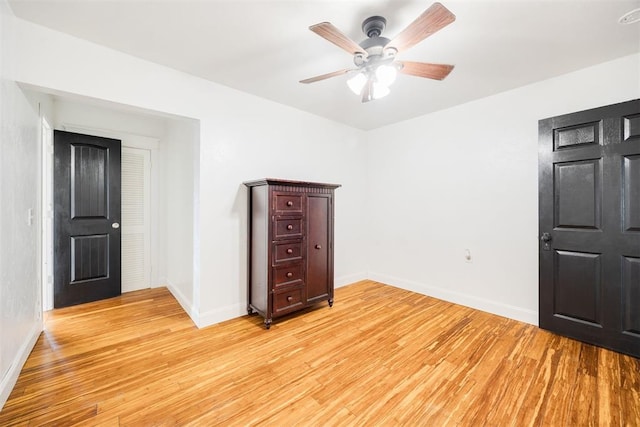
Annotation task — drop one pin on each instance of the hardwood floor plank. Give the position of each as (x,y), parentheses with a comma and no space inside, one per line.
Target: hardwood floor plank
(380,356)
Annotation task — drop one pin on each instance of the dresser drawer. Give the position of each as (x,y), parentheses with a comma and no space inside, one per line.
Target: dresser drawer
(288,275)
(287,251)
(288,300)
(287,203)
(287,228)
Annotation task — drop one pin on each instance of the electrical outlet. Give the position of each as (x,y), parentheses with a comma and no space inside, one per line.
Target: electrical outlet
(30,217)
(467,256)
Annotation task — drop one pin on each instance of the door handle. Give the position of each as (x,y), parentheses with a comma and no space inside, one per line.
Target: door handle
(546,241)
(115,225)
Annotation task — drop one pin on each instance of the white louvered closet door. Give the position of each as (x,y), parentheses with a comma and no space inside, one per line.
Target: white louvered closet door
(136,221)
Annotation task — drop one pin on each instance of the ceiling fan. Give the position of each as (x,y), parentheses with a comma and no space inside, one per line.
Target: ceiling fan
(375,57)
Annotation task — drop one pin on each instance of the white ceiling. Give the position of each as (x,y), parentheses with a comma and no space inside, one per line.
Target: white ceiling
(264,47)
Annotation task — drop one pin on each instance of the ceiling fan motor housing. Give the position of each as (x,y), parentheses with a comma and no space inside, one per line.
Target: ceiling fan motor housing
(373,26)
(374,47)
(375,43)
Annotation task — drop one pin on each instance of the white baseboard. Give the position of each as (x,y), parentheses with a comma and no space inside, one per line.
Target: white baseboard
(9,380)
(504,310)
(162,282)
(184,302)
(221,314)
(349,279)
(232,311)
(210,317)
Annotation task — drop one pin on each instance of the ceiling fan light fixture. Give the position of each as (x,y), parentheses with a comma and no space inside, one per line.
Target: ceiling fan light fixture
(375,57)
(379,90)
(357,82)
(386,74)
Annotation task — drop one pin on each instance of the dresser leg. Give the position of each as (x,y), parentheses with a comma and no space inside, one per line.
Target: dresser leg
(331,302)
(267,323)
(250,310)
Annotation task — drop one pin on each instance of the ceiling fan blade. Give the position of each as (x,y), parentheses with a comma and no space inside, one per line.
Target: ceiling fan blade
(426,70)
(325,76)
(329,32)
(432,20)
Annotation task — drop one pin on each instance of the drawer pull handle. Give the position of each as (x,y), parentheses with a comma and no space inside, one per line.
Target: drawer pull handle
(289,203)
(318,247)
(289,251)
(289,274)
(289,227)
(289,299)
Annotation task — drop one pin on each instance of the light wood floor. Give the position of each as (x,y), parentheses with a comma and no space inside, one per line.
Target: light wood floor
(380,356)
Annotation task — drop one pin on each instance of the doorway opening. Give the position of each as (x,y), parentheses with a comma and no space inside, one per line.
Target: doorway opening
(147,141)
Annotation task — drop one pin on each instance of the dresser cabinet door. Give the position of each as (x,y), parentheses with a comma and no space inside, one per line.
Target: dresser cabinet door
(319,282)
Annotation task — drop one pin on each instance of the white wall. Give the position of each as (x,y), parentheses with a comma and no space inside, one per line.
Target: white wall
(20,312)
(106,117)
(179,152)
(467,178)
(242,137)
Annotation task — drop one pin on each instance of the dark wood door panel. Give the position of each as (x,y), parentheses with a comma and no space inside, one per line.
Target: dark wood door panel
(577,193)
(575,136)
(577,286)
(589,183)
(318,214)
(631,193)
(89,257)
(86,218)
(89,181)
(631,295)
(631,127)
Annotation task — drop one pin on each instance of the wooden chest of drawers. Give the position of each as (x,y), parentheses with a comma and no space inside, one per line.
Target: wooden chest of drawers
(290,246)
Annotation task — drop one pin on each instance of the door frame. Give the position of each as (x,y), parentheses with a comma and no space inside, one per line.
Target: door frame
(128,140)
(46,239)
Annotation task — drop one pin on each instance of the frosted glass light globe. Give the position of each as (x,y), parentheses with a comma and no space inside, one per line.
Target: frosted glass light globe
(357,82)
(379,91)
(386,74)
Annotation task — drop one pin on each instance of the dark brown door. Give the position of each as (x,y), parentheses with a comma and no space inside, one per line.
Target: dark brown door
(319,267)
(86,218)
(589,183)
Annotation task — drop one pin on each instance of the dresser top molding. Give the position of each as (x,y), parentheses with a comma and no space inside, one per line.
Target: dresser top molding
(275,181)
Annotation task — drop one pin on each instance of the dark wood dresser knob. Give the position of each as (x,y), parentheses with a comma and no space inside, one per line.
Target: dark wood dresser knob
(289,299)
(289,203)
(318,247)
(289,227)
(289,251)
(289,274)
